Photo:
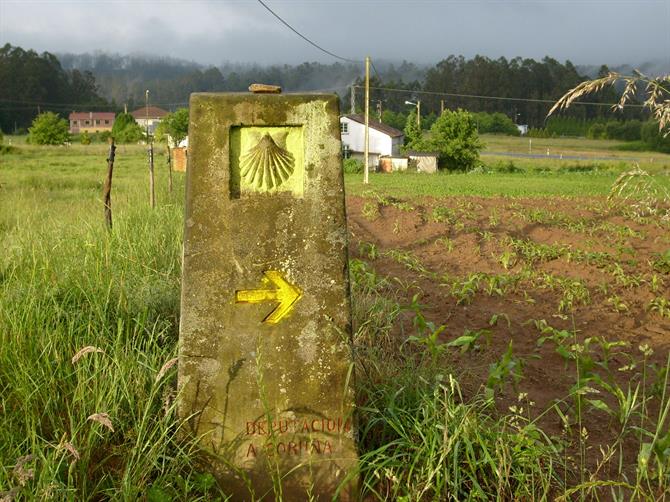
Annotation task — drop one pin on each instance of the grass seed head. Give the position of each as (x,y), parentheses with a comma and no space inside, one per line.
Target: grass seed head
(21,472)
(84,351)
(165,368)
(102,418)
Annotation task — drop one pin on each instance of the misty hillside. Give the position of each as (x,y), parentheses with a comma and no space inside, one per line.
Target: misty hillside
(124,79)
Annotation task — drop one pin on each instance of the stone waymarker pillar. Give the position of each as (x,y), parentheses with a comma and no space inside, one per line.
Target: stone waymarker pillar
(265,362)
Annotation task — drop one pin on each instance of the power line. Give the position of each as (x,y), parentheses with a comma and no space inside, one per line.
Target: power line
(498,98)
(71,105)
(304,37)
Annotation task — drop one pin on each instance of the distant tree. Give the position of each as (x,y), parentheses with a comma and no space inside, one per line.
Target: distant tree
(397,120)
(126,130)
(1,137)
(48,129)
(29,77)
(413,134)
(454,136)
(176,125)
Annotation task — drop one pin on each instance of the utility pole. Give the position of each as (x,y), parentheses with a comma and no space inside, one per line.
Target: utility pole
(367,120)
(418,113)
(379,110)
(441,106)
(152,193)
(353,99)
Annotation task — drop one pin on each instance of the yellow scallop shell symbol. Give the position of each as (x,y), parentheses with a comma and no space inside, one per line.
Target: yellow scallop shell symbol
(266,165)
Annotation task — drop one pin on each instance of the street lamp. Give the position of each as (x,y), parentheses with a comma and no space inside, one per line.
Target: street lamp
(418,111)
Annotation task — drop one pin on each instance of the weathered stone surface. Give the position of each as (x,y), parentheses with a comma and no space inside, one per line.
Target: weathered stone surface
(265,360)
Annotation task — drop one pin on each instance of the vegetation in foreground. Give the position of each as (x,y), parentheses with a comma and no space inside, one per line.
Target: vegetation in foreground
(88,332)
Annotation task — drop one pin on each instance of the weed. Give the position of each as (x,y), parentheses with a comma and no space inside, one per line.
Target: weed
(444,214)
(369,250)
(508,367)
(446,242)
(465,291)
(370,210)
(660,305)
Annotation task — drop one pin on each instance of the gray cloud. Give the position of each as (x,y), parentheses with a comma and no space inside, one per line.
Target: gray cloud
(209,31)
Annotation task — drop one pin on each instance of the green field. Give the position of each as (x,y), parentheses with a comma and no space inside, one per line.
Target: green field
(89,329)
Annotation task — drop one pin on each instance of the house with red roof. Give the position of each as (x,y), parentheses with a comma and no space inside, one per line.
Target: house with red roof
(150,116)
(91,122)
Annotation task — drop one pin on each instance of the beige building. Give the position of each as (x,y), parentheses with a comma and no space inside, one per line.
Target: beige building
(91,122)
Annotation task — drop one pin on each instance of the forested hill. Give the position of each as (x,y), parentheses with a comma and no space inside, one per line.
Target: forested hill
(522,89)
(124,79)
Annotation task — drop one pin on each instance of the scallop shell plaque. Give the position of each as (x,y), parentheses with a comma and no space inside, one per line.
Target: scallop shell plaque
(266,165)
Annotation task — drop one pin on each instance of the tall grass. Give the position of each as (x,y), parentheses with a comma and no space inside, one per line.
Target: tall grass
(66,284)
(88,335)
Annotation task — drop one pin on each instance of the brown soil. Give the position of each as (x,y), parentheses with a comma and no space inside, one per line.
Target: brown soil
(478,232)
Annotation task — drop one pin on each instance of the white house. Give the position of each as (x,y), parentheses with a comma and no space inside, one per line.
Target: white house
(384,139)
(150,116)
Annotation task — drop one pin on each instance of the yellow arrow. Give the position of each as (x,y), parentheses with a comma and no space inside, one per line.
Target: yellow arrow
(285,293)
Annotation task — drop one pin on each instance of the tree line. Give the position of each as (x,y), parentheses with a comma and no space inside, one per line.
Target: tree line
(35,82)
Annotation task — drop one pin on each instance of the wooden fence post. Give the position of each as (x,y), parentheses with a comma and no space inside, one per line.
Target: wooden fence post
(169,163)
(152,190)
(107,189)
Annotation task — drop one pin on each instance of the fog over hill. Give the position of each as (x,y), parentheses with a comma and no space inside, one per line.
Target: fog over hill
(124,78)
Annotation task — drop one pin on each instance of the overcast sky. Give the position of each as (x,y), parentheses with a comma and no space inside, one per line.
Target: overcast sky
(423,31)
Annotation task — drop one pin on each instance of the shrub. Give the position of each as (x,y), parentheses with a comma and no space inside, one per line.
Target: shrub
(85,138)
(454,136)
(126,130)
(653,138)
(496,123)
(352,166)
(596,131)
(48,129)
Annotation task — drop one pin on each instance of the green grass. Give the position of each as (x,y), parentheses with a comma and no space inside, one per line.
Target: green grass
(67,284)
(487,185)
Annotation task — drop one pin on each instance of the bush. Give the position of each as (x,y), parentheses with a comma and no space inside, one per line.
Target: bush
(1,137)
(654,139)
(454,136)
(596,131)
(352,166)
(126,130)
(85,138)
(48,129)
(496,123)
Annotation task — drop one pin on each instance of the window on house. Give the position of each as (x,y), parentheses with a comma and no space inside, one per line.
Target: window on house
(344,127)
(106,122)
(346,153)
